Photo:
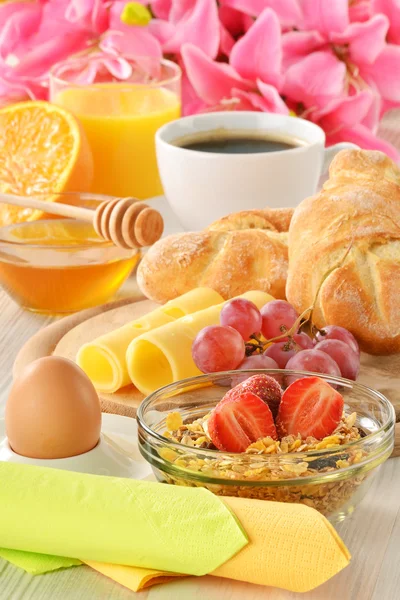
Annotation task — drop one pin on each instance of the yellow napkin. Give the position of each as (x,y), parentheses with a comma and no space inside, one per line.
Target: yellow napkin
(291,546)
(115,520)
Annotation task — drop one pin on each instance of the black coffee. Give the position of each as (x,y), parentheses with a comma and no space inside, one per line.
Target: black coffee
(237,142)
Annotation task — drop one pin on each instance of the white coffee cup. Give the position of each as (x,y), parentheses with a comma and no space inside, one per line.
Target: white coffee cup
(204,186)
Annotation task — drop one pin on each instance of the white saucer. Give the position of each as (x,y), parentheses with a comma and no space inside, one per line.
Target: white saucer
(117,453)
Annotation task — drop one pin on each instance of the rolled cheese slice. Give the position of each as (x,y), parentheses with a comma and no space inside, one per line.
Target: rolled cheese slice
(162,356)
(103,359)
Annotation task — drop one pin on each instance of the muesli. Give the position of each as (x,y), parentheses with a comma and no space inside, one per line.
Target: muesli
(261,470)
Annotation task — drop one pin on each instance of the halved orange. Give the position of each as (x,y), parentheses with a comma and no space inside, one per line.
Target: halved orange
(43,151)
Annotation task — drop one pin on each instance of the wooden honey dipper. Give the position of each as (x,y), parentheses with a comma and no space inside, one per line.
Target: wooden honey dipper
(126,222)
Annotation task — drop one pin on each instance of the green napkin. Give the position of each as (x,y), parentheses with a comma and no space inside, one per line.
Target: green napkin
(37,564)
(116,520)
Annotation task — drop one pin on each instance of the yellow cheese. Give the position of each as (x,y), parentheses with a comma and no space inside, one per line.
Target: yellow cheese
(162,356)
(103,359)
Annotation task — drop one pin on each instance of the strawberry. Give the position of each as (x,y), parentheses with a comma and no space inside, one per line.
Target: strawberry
(238,420)
(309,406)
(263,386)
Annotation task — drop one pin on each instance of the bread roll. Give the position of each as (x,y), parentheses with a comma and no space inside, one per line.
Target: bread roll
(268,219)
(344,250)
(241,252)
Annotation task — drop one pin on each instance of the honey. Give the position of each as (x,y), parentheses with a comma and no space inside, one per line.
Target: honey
(61,265)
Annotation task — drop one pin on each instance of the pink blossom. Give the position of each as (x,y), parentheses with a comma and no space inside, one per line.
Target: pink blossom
(187,21)
(16,91)
(250,79)
(390,8)
(360,10)
(20,21)
(91,14)
(226,40)
(129,39)
(287,11)
(139,42)
(353,119)
(234,21)
(191,101)
(177,22)
(304,83)
(332,60)
(35,36)
(360,46)
(161,8)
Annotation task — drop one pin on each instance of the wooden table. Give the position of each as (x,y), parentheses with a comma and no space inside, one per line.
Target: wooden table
(372,533)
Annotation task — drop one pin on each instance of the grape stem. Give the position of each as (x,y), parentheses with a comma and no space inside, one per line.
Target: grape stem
(306,315)
(252,347)
(295,327)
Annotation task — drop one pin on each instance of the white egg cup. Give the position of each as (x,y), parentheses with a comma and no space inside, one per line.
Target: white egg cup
(109,457)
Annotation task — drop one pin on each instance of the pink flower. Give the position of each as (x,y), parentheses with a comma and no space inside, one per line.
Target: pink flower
(305,85)
(234,21)
(132,40)
(20,20)
(332,61)
(191,102)
(353,119)
(253,75)
(187,21)
(361,47)
(34,36)
(161,8)
(360,10)
(233,24)
(90,14)
(287,11)
(390,8)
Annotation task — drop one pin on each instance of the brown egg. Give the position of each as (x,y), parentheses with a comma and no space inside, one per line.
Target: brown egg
(53,410)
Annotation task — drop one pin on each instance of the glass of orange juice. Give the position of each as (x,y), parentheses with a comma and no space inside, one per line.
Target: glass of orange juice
(121,101)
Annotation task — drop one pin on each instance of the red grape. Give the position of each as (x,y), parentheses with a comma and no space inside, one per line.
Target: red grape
(217,348)
(281,352)
(278,316)
(334,332)
(257,361)
(303,340)
(314,361)
(242,315)
(346,358)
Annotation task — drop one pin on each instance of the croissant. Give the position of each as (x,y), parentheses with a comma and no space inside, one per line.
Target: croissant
(344,250)
(243,251)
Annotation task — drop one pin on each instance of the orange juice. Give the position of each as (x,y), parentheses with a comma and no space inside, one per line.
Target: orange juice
(120,120)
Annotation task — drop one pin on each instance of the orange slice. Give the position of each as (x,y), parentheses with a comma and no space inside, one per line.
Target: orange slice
(43,151)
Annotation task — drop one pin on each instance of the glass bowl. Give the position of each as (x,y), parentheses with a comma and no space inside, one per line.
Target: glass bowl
(58,265)
(332,478)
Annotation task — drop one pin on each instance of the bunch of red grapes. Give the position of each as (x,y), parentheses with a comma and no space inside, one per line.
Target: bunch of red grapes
(237,344)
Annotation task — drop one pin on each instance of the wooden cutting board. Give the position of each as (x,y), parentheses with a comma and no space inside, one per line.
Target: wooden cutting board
(65,337)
